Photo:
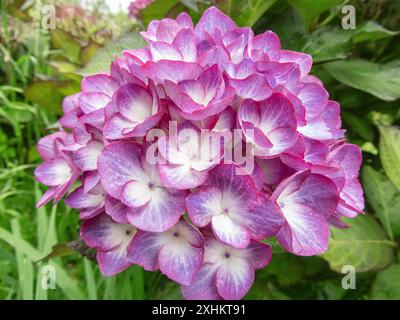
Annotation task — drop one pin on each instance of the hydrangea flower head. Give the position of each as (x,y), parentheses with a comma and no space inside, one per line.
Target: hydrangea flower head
(157,144)
(136,6)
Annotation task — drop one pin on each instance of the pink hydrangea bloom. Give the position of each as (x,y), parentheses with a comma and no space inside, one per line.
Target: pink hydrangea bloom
(136,5)
(158,142)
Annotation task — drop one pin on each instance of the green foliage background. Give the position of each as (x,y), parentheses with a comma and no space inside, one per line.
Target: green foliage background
(360,68)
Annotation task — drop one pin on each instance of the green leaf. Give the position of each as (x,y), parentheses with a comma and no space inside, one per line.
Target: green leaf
(389,150)
(245,12)
(25,267)
(368,147)
(384,199)
(328,44)
(311,9)
(288,24)
(64,41)
(386,285)
(286,268)
(364,245)
(18,113)
(372,31)
(63,66)
(88,51)
(64,281)
(276,247)
(90,280)
(169,291)
(191,4)
(46,93)
(359,125)
(265,290)
(330,290)
(17,8)
(157,10)
(101,60)
(380,80)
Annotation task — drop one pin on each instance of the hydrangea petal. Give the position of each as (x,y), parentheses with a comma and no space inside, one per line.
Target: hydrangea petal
(253,87)
(229,232)
(265,220)
(86,157)
(203,204)
(234,278)
(118,163)
(93,101)
(144,250)
(53,172)
(179,260)
(136,194)
(112,262)
(303,60)
(134,102)
(99,83)
(213,23)
(116,210)
(162,211)
(166,70)
(46,145)
(181,176)
(103,234)
(259,254)
(178,252)
(203,285)
(306,201)
(275,118)
(78,199)
(314,98)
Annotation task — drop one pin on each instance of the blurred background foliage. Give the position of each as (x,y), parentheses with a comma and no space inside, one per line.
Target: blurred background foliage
(39,66)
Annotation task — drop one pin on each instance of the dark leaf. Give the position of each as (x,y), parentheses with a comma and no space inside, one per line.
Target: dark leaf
(157,10)
(64,249)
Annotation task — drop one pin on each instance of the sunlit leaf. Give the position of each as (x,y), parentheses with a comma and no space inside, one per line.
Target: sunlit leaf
(384,199)
(46,94)
(389,150)
(101,60)
(68,45)
(380,80)
(17,8)
(364,246)
(328,44)
(88,51)
(371,31)
(63,66)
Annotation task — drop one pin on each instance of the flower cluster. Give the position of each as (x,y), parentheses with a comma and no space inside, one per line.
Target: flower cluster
(197,214)
(136,6)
